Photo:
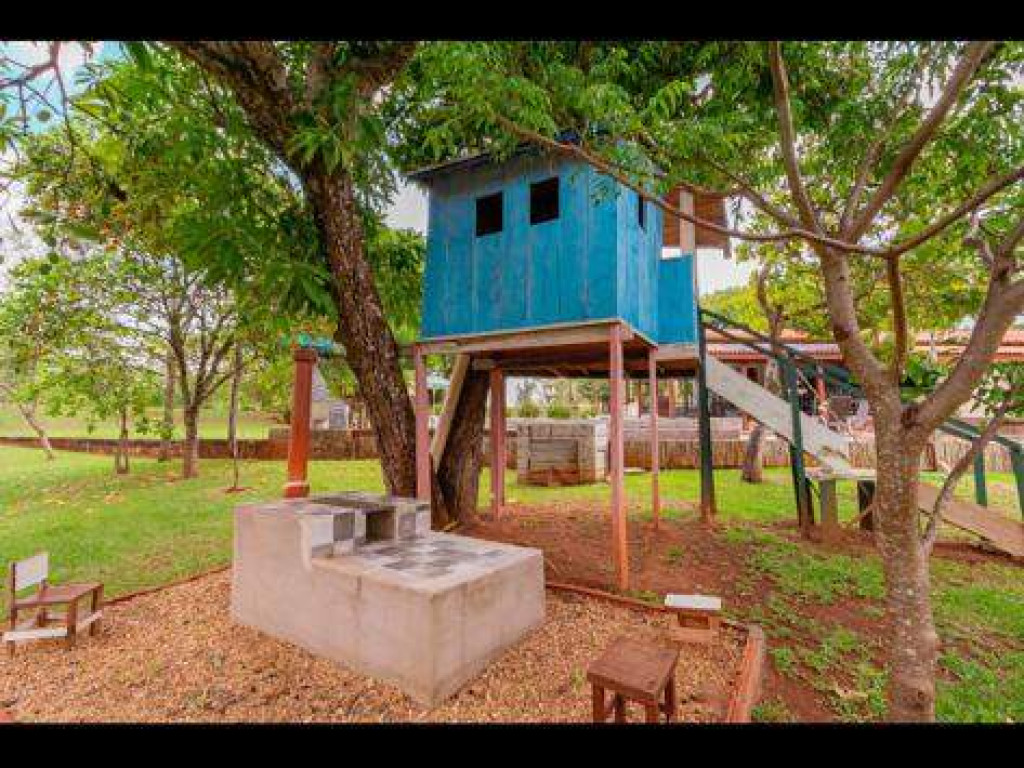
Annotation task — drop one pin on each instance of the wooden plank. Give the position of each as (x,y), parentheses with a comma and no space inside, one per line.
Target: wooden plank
(998,530)
(451,401)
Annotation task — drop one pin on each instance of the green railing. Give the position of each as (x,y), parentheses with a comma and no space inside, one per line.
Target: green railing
(791,361)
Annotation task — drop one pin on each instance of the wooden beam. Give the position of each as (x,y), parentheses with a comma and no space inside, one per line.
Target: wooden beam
(617,395)
(497,442)
(297,485)
(652,378)
(589,332)
(451,401)
(422,408)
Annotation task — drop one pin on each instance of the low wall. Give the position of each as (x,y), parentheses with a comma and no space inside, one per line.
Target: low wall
(675,453)
(208,448)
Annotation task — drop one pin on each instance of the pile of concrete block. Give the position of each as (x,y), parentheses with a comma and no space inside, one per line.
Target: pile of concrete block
(353,519)
(561,451)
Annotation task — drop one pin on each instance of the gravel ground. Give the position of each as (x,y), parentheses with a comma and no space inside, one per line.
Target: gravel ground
(175,655)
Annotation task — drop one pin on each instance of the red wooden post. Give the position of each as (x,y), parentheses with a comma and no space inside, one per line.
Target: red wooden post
(423,463)
(298,436)
(819,385)
(616,458)
(652,377)
(497,441)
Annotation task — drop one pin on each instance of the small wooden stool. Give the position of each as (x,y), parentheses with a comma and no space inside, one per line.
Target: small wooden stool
(699,616)
(635,671)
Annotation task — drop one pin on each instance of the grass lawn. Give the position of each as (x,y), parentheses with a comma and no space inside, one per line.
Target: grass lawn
(150,528)
(212,423)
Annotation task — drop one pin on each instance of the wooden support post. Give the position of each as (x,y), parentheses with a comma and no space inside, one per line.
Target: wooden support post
(299,434)
(707,461)
(652,377)
(422,408)
(829,503)
(616,451)
(497,441)
(865,498)
(821,391)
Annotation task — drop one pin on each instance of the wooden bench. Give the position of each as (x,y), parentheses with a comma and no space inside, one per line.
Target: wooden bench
(699,617)
(637,671)
(34,572)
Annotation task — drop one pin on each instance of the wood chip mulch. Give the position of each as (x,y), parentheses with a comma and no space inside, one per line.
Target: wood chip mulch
(175,655)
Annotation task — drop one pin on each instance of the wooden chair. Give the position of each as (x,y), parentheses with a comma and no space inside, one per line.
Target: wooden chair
(34,572)
(634,670)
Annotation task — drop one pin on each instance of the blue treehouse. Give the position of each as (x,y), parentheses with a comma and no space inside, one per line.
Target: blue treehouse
(542,242)
(543,266)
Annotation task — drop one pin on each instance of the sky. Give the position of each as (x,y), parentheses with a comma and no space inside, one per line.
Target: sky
(408,210)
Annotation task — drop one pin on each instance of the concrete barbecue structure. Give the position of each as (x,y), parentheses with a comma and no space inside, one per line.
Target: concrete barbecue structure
(361,579)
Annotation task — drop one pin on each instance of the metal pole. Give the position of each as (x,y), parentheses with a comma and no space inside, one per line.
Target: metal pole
(796,447)
(980,487)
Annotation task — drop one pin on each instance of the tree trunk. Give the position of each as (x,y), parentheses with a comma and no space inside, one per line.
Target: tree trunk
(121,466)
(190,450)
(753,456)
(372,354)
(28,414)
(458,474)
(912,643)
(168,419)
(236,384)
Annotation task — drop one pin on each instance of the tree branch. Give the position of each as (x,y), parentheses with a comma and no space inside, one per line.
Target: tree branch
(973,56)
(787,138)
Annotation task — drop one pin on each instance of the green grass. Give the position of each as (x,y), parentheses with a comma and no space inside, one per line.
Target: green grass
(142,529)
(150,528)
(213,423)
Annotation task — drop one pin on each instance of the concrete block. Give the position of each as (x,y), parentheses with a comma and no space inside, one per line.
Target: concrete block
(427,613)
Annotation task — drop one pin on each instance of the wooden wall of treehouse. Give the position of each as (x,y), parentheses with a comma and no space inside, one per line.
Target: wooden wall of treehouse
(599,258)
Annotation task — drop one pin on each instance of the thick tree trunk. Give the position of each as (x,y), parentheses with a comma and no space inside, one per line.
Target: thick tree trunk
(168,419)
(912,643)
(121,466)
(190,450)
(29,415)
(458,473)
(372,354)
(753,456)
(236,385)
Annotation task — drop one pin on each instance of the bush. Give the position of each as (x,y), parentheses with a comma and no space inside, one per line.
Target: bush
(529,410)
(557,411)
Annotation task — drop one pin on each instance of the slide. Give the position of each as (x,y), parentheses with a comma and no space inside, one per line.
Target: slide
(829,447)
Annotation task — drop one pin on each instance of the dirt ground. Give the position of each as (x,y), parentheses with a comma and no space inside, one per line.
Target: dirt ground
(175,655)
(575,537)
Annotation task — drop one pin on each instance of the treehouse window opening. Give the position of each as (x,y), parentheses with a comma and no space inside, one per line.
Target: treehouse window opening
(641,212)
(544,201)
(489,217)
